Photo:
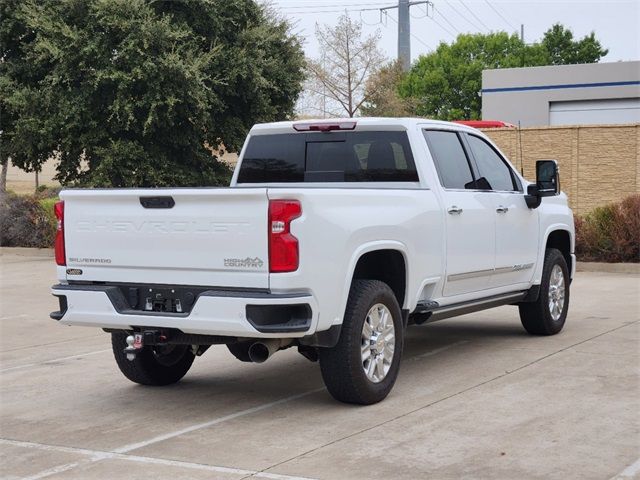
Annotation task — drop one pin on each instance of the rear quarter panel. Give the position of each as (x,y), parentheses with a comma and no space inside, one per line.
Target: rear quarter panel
(339,225)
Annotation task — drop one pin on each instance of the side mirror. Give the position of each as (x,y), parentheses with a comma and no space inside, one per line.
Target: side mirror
(547,179)
(547,183)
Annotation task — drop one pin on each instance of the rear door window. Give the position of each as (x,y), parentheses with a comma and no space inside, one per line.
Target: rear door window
(450,159)
(381,156)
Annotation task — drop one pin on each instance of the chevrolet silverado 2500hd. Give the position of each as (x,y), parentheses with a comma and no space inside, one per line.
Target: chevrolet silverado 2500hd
(333,237)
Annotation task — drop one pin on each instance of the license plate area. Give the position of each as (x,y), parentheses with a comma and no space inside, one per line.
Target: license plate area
(162,300)
(165,300)
(159,299)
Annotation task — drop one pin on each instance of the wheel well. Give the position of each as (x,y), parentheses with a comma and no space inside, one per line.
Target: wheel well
(387,266)
(560,240)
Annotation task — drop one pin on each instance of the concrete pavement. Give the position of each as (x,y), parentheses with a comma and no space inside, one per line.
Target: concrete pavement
(477,398)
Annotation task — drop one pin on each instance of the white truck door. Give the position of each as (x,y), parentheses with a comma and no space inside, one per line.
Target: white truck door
(517,226)
(469,217)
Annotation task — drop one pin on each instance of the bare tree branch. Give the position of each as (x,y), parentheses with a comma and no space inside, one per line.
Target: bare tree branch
(339,76)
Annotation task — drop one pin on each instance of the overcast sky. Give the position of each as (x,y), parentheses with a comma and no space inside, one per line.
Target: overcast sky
(615,22)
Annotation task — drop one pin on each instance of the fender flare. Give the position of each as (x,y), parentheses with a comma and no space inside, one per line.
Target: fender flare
(372,247)
(537,276)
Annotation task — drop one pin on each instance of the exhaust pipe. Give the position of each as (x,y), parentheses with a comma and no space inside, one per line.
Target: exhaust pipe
(259,352)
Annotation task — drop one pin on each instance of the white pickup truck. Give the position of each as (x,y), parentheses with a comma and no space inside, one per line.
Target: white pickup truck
(333,237)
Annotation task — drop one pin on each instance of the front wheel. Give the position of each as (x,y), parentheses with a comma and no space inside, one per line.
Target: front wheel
(153,365)
(362,368)
(547,315)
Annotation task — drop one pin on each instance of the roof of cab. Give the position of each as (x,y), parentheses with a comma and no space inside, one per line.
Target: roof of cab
(362,124)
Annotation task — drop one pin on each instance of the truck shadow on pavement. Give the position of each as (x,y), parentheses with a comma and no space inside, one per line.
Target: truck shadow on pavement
(429,353)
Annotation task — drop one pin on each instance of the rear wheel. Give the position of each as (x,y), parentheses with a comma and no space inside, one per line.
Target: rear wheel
(153,365)
(547,315)
(362,368)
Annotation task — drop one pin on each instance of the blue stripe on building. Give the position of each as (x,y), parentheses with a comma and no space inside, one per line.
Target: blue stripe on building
(556,87)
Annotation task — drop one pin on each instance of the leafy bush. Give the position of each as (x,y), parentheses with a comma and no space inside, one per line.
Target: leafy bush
(610,233)
(26,221)
(46,191)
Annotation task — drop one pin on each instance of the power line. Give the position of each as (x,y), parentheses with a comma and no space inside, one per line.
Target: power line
(418,39)
(475,16)
(285,7)
(379,22)
(500,15)
(329,11)
(462,15)
(426,13)
(319,3)
(446,19)
(442,27)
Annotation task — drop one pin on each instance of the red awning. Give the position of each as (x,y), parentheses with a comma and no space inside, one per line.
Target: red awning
(485,123)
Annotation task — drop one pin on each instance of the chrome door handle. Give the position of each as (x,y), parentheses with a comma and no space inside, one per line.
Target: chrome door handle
(453,210)
(502,209)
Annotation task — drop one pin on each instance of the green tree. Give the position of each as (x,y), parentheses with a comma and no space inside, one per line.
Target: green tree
(446,83)
(563,49)
(137,93)
(13,69)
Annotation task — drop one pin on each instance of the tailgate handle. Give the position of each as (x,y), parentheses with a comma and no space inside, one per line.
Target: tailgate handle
(157,202)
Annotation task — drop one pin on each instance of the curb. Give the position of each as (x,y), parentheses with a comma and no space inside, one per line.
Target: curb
(633,268)
(27,252)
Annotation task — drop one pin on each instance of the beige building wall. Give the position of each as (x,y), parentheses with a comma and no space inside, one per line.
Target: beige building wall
(599,164)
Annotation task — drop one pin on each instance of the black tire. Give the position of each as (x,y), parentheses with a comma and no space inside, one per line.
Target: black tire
(536,316)
(342,366)
(152,366)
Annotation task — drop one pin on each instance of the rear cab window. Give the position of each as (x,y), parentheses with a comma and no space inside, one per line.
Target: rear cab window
(314,157)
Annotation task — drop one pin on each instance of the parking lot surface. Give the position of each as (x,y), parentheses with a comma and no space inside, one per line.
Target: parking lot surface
(476,398)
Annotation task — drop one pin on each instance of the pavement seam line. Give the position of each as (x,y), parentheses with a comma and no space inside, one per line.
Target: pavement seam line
(96,335)
(167,436)
(216,421)
(10,317)
(438,350)
(58,469)
(630,472)
(97,455)
(53,360)
(435,402)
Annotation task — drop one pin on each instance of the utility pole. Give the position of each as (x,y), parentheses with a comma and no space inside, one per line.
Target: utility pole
(404,30)
(522,40)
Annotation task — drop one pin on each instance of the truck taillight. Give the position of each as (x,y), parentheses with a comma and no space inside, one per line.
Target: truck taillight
(283,247)
(58,209)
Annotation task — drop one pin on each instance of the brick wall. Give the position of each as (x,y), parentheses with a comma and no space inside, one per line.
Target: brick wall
(599,164)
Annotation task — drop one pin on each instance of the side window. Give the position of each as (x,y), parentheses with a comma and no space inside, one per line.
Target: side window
(450,159)
(491,167)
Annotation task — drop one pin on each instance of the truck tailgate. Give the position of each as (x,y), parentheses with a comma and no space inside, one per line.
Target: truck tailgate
(206,236)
